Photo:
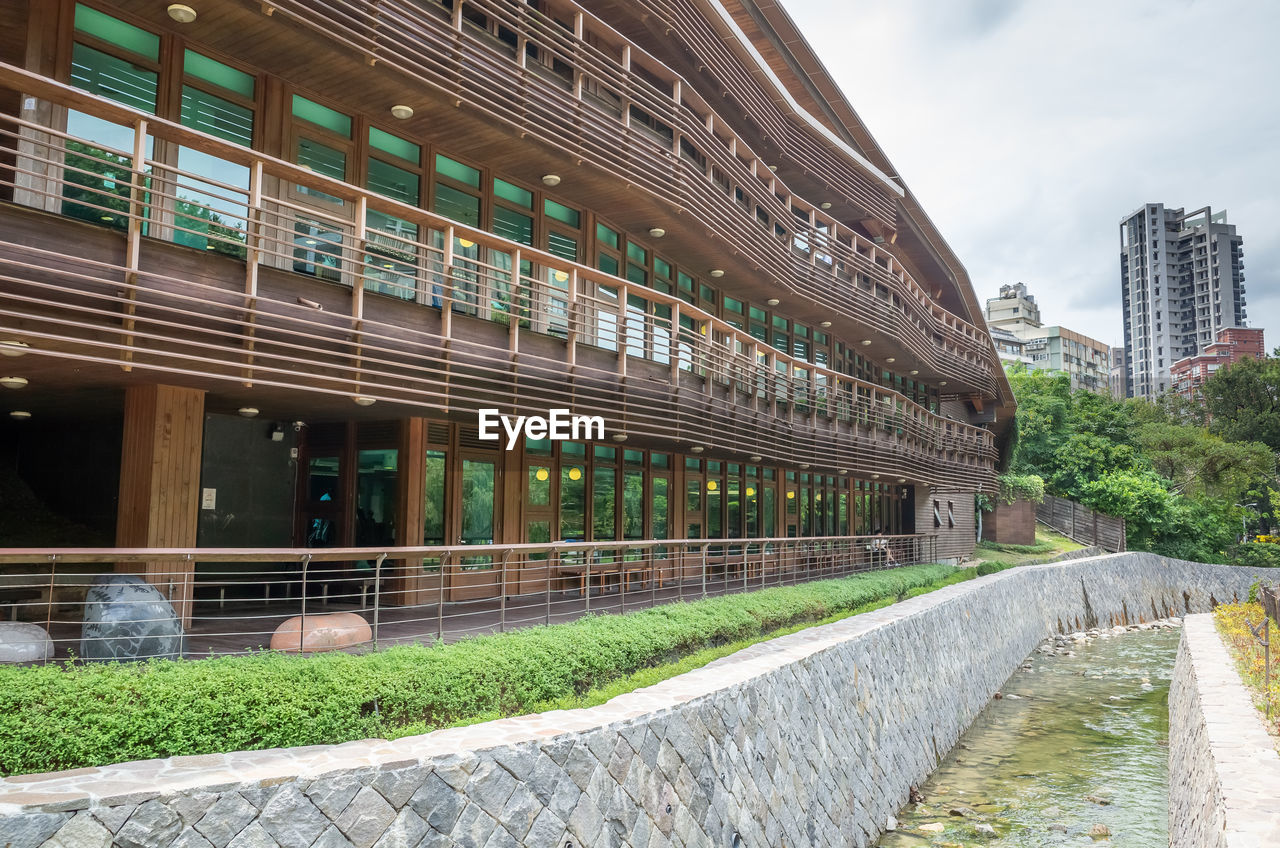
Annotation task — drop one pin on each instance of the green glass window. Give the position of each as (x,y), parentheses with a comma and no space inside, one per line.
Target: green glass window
(433,524)
(377,484)
(633,505)
(608,264)
(214,115)
(117,32)
(636,253)
(661,268)
(563,214)
(115,79)
(606,453)
(454,170)
(604,505)
(393,182)
(394,145)
(539,491)
(322,159)
(224,76)
(512,225)
(660,460)
(604,235)
(566,247)
(321,116)
(573,500)
(513,193)
(540,447)
(637,274)
(457,205)
(661,508)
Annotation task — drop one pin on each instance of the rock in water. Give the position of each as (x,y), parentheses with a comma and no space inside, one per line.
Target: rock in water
(323,632)
(21,642)
(1099,831)
(126,618)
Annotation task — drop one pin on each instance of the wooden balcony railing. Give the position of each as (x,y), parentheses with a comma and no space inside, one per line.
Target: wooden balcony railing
(657,367)
(822,261)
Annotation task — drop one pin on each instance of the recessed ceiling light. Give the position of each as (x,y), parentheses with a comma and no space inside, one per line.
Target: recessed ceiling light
(13,382)
(657,232)
(717,273)
(551,179)
(248,411)
(401,111)
(361,400)
(20,415)
(182,14)
(13,347)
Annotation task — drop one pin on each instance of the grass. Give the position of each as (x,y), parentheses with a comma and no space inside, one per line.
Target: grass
(1049,543)
(68,716)
(1233,622)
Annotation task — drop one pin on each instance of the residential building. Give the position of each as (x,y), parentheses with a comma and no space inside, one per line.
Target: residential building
(1182,281)
(1009,347)
(265,266)
(1119,373)
(1015,313)
(1014,310)
(1087,361)
(1231,345)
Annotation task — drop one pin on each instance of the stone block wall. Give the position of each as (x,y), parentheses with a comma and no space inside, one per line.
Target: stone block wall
(1224,773)
(812,739)
(1010,524)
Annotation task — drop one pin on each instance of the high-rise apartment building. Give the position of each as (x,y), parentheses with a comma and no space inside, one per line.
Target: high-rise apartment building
(1182,281)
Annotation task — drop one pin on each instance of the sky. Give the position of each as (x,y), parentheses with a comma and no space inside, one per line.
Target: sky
(1028,128)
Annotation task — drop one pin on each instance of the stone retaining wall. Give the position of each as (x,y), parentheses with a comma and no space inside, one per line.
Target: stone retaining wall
(811,739)
(1224,773)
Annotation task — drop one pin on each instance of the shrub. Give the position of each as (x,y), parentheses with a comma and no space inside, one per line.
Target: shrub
(66,716)
(1256,554)
(993,566)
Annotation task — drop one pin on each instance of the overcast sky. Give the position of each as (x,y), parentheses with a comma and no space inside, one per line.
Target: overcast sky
(1029,128)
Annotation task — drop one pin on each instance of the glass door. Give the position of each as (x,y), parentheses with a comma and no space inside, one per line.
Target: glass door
(476,576)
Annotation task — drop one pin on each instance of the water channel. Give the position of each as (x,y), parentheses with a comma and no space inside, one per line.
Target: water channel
(1078,744)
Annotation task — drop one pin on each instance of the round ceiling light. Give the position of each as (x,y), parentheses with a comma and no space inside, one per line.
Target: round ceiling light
(773,301)
(826,204)
(181,13)
(13,347)
(13,382)
(551,179)
(361,400)
(755,457)
(825,324)
(914,372)
(19,415)
(619,437)
(697,449)
(717,273)
(866,342)
(891,359)
(657,232)
(248,411)
(401,112)
(942,382)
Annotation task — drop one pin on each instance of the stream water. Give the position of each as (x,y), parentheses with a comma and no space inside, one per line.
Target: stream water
(1077,744)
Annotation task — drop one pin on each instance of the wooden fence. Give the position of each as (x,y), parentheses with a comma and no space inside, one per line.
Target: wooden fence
(1082,524)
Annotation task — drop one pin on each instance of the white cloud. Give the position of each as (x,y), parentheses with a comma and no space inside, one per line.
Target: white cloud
(1028,128)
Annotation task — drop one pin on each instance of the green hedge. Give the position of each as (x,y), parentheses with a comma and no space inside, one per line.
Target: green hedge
(67,716)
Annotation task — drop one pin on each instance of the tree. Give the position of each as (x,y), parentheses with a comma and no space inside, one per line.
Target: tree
(1243,401)
(1197,462)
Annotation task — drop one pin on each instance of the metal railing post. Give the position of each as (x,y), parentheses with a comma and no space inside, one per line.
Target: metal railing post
(704,570)
(502,593)
(377,596)
(586,580)
(302,625)
(444,572)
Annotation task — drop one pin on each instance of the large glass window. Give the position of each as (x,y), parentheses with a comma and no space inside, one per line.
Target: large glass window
(477,509)
(604,521)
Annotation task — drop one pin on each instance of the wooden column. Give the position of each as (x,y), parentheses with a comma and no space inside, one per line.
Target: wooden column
(160,484)
(405,587)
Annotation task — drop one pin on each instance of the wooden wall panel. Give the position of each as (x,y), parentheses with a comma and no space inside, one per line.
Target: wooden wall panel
(160,482)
